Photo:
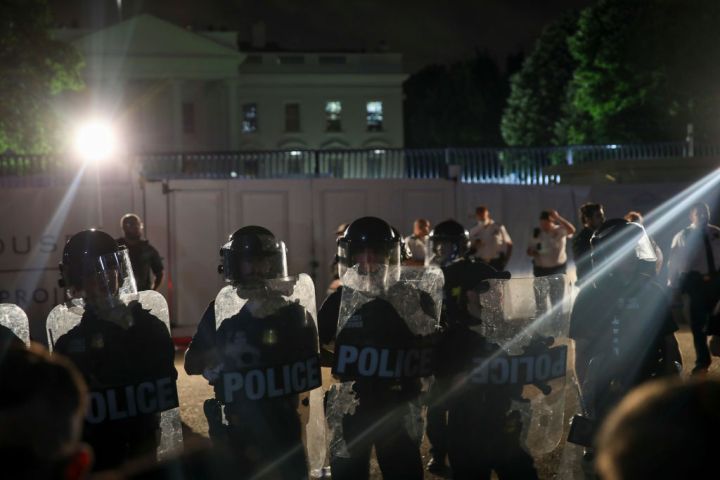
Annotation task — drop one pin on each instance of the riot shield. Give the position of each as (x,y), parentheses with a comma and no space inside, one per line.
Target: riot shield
(529,334)
(14,318)
(268,347)
(384,350)
(112,402)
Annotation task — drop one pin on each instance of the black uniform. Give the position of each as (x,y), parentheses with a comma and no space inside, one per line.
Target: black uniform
(110,356)
(266,432)
(383,403)
(581,253)
(8,339)
(627,327)
(481,435)
(144,259)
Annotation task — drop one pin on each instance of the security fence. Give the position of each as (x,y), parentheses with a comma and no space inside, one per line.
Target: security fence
(517,166)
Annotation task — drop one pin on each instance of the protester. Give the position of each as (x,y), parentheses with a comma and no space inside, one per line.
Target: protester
(636,217)
(42,405)
(663,430)
(490,240)
(592,216)
(693,274)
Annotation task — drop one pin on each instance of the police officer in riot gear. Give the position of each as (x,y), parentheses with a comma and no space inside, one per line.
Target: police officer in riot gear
(260,354)
(469,423)
(448,242)
(622,323)
(376,403)
(123,351)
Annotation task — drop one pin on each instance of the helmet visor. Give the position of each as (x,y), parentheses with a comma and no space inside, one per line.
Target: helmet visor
(103,279)
(250,267)
(441,251)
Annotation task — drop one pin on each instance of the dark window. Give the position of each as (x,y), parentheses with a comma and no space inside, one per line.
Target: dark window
(188,117)
(291,59)
(292,117)
(253,59)
(333,113)
(374,116)
(249,122)
(332,60)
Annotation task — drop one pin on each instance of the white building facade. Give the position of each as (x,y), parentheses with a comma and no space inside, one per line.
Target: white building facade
(170,89)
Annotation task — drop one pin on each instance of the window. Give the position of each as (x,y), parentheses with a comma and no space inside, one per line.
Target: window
(374,116)
(249,123)
(292,117)
(253,60)
(332,60)
(291,59)
(333,111)
(188,118)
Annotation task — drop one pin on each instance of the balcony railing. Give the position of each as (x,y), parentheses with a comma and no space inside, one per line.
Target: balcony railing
(518,166)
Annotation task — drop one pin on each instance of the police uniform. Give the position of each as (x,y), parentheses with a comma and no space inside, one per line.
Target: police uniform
(581,253)
(383,403)
(110,356)
(481,435)
(626,327)
(266,432)
(494,240)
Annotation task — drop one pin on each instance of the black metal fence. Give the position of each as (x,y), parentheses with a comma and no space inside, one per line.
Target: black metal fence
(519,166)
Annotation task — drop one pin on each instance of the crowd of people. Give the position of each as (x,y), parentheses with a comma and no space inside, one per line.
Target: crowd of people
(424,335)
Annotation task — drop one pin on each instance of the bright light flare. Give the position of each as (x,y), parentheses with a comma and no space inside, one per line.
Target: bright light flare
(95,141)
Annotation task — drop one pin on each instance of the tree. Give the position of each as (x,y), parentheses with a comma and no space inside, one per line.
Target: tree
(33,69)
(645,69)
(539,89)
(455,106)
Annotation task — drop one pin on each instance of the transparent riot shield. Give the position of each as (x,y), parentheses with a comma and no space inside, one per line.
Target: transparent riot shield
(158,396)
(268,348)
(384,351)
(528,320)
(14,318)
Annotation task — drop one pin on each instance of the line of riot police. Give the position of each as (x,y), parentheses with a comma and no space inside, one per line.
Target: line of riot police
(464,341)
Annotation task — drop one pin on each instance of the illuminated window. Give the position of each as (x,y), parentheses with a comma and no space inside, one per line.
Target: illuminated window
(374,116)
(292,117)
(249,123)
(333,111)
(188,117)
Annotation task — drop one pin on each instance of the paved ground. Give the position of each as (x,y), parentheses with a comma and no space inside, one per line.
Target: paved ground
(556,465)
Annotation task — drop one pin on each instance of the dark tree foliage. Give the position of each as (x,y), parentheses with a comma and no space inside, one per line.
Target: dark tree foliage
(645,69)
(538,90)
(33,68)
(457,105)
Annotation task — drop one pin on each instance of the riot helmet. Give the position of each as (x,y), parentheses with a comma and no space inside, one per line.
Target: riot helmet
(622,245)
(96,270)
(372,247)
(253,255)
(448,241)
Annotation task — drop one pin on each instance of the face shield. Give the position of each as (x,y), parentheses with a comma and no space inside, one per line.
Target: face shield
(101,281)
(440,251)
(370,267)
(250,267)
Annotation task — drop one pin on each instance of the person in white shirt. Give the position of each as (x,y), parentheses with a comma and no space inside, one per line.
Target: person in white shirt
(547,249)
(490,240)
(417,242)
(693,273)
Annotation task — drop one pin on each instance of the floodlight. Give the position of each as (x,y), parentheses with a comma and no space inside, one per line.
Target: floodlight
(95,141)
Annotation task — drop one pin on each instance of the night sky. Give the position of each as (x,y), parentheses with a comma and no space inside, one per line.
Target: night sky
(424,31)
